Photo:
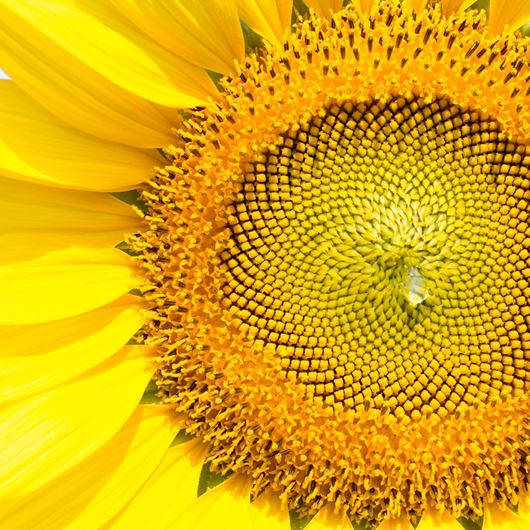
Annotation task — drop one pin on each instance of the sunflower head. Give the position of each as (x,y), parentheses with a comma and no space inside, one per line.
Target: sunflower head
(338,254)
(328,286)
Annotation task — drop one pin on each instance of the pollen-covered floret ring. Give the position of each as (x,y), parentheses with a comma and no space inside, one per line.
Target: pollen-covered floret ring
(337,259)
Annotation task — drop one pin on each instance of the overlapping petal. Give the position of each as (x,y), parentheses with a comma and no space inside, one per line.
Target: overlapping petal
(508,14)
(27,207)
(90,493)
(268,513)
(79,95)
(228,506)
(50,277)
(171,488)
(225,506)
(324,7)
(207,34)
(269,18)
(34,358)
(36,146)
(45,435)
(124,56)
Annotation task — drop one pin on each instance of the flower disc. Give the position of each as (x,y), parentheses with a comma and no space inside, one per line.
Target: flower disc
(338,259)
(370,250)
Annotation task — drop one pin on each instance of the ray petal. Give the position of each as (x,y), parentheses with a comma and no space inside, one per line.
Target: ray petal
(326,519)
(36,146)
(206,34)
(46,434)
(89,32)
(417,5)
(171,488)
(508,14)
(324,8)
(35,358)
(77,94)
(269,18)
(523,510)
(497,519)
(90,493)
(27,207)
(268,513)
(433,520)
(453,6)
(57,277)
(225,506)
(365,5)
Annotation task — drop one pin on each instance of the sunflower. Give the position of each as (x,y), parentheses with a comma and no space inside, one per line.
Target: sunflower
(265,266)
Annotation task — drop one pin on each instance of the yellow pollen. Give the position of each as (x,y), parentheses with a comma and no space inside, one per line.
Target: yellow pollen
(337,258)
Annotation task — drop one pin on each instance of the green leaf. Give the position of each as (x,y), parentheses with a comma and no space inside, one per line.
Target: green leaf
(149,397)
(297,521)
(468,524)
(209,479)
(182,437)
(131,197)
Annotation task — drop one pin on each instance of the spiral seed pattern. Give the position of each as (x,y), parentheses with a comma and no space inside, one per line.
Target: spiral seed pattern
(383,250)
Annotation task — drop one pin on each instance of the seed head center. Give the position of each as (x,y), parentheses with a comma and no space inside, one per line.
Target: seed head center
(359,252)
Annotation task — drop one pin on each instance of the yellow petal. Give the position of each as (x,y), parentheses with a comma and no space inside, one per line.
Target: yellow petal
(46,434)
(36,146)
(207,34)
(225,506)
(92,34)
(76,94)
(523,510)
(326,519)
(88,494)
(436,521)
(396,524)
(269,18)
(324,7)
(171,488)
(508,14)
(496,519)
(525,519)
(41,285)
(34,358)
(417,5)
(27,207)
(268,514)
(366,5)
(453,6)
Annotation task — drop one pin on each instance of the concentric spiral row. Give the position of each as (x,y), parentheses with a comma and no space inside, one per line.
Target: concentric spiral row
(382,249)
